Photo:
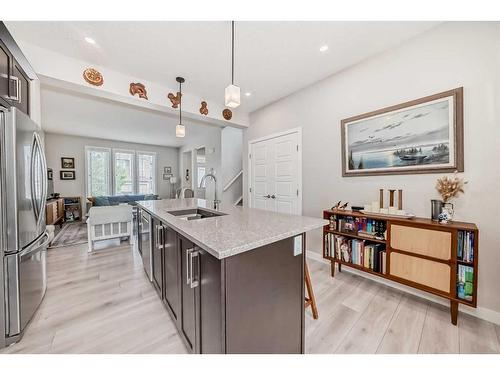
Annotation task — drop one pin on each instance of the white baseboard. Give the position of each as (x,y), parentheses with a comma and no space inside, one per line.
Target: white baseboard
(479,312)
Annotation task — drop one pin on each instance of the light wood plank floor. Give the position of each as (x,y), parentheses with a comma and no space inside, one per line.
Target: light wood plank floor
(103,303)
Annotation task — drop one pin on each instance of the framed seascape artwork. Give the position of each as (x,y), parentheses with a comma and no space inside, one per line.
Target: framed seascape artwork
(421,136)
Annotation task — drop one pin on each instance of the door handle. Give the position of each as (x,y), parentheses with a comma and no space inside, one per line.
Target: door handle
(266,196)
(273,196)
(193,283)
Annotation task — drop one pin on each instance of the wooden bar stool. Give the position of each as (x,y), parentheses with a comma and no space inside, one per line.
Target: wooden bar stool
(310,300)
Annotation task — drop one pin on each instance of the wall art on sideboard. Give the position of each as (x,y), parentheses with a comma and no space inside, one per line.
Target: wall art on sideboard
(227,114)
(138,89)
(67,175)
(67,163)
(421,136)
(93,77)
(204,108)
(175,99)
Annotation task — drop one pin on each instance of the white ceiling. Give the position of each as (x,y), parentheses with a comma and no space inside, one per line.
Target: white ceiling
(83,115)
(273,59)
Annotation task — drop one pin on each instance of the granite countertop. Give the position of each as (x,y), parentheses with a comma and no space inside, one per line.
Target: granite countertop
(240,229)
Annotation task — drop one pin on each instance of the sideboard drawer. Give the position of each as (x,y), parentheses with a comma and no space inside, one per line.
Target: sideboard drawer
(422,271)
(433,243)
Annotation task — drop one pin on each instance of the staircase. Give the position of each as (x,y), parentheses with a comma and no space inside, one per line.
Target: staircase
(233,191)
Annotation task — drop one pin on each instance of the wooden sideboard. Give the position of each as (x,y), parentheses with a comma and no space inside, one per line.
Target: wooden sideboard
(54,212)
(419,252)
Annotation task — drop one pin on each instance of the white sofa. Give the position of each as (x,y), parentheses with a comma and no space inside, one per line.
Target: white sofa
(105,222)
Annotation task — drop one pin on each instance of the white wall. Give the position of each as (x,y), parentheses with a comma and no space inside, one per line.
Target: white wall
(60,145)
(449,56)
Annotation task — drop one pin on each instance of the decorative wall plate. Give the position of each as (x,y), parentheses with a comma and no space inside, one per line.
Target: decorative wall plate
(93,77)
(138,89)
(227,114)
(175,99)
(203,108)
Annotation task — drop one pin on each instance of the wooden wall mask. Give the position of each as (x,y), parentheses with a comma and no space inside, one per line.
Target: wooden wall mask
(175,99)
(227,114)
(138,89)
(93,77)
(203,108)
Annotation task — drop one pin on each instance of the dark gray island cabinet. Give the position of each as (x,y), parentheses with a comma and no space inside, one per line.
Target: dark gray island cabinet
(249,302)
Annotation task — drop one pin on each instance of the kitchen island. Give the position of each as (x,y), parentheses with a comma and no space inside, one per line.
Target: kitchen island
(232,279)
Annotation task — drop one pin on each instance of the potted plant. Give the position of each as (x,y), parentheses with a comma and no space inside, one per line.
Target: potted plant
(448,188)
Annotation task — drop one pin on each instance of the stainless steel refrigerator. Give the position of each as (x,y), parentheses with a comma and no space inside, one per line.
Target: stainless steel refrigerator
(24,240)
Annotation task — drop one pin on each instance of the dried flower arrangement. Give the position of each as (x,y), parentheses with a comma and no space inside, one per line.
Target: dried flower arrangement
(450,187)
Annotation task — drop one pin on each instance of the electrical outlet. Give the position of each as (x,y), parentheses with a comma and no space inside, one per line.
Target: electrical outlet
(297,245)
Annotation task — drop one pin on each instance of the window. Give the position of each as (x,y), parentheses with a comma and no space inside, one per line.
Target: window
(127,172)
(146,172)
(124,176)
(98,171)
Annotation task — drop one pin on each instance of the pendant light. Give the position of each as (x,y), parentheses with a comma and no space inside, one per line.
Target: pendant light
(180,130)
(232,94)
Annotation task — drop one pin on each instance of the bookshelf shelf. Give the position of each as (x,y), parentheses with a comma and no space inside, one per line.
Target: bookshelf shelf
(347,234)
(361,268)
(441,259)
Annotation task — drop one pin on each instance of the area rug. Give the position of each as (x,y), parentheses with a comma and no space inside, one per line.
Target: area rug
(70,234)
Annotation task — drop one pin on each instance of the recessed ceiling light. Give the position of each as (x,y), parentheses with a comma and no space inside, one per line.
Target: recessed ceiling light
(323,48)
(248,94)
(89,40)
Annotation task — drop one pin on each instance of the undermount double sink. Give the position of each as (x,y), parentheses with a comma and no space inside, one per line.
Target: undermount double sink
(194,214)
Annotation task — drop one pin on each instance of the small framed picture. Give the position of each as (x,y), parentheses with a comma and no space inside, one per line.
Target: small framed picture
(166,176)
(167,170)
(68,163)
(67,175)
(50,175)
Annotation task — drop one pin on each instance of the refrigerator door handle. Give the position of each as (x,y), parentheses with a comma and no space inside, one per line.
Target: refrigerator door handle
(32,178)
(43,176)
(36,245)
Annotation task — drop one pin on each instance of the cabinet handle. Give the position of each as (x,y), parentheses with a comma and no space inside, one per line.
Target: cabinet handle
(273,196)
(188,268)
(16,97)
(194,283)
(158,240)
(266,196)
(162,237)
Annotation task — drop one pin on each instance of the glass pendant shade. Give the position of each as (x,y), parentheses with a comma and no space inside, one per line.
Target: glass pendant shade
(232,96)
(180,131)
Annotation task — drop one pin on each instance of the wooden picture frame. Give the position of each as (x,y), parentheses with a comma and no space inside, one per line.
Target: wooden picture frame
(67,163)
(67,175)
(414,147)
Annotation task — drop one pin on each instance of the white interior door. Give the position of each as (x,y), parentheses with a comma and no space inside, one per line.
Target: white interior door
(275,174)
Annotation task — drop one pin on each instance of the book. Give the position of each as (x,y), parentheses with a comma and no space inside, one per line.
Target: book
(465,282)
(465,246)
